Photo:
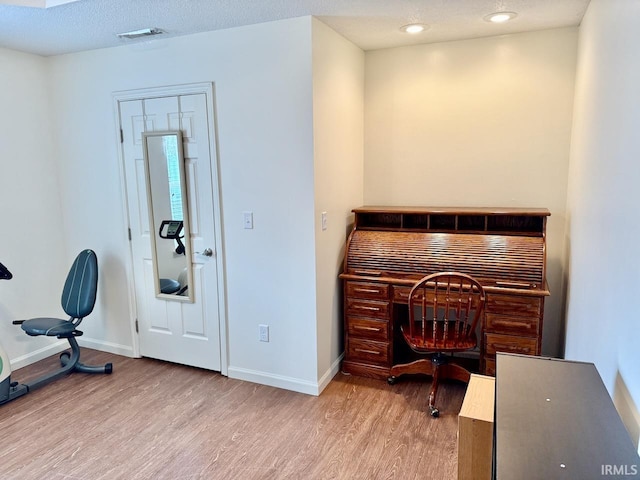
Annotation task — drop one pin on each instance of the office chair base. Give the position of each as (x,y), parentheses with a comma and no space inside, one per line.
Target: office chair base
(438,367)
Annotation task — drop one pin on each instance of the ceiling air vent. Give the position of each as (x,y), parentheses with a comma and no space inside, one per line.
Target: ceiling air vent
(145,32)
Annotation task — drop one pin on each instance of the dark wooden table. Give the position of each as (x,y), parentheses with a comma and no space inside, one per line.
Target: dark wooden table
(556,420)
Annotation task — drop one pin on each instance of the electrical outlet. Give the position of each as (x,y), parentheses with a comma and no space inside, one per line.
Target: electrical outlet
(264,333)
(247,219)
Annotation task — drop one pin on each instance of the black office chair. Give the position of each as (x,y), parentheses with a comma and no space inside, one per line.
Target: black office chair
(78,300)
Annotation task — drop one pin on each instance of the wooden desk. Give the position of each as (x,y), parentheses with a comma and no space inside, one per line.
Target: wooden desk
(556,420)
(390,248)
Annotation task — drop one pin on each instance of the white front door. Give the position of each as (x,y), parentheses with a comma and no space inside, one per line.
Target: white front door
(186,333)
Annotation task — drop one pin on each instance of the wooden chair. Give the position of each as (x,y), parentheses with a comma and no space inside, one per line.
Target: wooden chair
(444,309)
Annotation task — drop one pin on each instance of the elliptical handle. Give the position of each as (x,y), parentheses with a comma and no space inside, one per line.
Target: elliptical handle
(5,274)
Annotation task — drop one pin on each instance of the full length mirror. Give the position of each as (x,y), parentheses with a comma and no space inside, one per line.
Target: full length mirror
(168,215)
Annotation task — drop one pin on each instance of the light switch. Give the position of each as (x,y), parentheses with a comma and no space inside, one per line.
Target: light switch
(324,220)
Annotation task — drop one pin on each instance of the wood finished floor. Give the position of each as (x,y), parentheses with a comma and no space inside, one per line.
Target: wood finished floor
(156,420)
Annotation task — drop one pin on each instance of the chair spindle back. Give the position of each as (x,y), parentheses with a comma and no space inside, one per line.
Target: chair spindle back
(444,308)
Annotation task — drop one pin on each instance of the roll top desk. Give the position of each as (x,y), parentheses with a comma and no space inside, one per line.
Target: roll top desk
(391,248)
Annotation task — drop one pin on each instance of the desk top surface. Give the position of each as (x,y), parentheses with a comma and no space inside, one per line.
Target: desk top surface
(555,420)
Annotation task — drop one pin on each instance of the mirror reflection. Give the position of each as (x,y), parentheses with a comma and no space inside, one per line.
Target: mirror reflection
(168,215)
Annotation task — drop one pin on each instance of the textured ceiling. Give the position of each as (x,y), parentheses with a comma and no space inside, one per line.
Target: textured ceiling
(370,24)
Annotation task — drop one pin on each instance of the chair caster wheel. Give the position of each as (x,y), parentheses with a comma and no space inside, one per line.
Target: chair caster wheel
(391,380)
(108,368)
(435,413)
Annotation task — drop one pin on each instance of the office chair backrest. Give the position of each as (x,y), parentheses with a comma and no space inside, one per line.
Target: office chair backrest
(79,293)
(444,309)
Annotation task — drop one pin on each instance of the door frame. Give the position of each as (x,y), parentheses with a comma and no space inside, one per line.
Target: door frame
(208,88)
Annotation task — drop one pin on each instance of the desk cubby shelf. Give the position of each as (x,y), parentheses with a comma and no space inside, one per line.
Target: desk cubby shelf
(450,220)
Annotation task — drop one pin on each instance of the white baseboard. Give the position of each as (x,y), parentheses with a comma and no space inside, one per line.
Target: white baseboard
(115,348)
(279,381)
(39,354)
(627,410)
(287,383)
(328,376)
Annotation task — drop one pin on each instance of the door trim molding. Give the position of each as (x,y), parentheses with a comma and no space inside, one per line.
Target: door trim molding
(207,88)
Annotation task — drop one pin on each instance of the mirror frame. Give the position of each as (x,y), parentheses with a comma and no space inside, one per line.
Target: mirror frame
(189,298)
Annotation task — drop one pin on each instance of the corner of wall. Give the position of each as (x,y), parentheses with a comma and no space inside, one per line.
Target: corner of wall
(338,124)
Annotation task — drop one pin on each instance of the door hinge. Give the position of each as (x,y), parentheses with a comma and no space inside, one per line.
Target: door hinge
(121,136)
(137,331)
(129,229)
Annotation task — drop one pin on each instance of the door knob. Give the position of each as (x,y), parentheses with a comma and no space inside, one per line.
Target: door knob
(207,252)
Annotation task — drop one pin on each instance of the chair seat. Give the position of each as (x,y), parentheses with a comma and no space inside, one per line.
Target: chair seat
(51,327)
(453,343)
(169,285)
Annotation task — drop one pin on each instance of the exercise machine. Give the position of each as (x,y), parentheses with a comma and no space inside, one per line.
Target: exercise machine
(5,274)
(78,300)
(172,230)
(5,367)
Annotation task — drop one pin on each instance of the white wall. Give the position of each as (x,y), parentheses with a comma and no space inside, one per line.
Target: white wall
(266,93)
(338,95)
(32,243)
(263,83)
(604,263)
(482,122)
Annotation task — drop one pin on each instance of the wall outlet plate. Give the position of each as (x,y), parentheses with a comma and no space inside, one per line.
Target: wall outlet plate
(264,333)
(247,220)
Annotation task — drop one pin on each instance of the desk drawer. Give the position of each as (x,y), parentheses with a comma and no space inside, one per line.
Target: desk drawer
(505,343)
(368,328)
(368,290)
(401,294)
(367,308)
(512,324)
(490,367)
(367,350)
(513,305)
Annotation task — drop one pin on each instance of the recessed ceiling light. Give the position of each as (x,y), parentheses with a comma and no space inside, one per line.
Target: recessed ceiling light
(414,28)
(145,32)
(500,17)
